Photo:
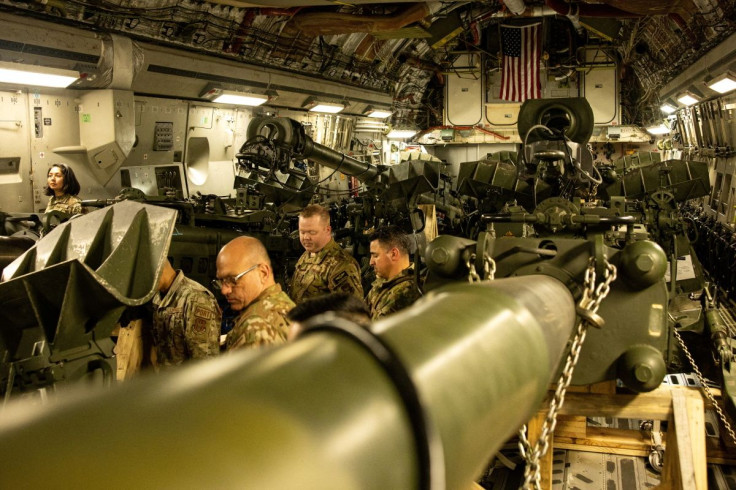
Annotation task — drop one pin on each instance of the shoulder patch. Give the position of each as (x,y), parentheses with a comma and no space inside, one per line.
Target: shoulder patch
(203,313)
(200,325)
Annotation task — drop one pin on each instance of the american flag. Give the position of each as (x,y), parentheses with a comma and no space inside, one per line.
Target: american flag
(521,51)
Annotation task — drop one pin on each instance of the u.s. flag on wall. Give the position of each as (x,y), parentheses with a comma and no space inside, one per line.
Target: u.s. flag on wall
(521,50)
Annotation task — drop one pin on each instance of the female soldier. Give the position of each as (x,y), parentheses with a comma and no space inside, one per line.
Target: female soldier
(63,188)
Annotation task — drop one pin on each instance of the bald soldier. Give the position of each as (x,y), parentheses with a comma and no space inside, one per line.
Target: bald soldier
(324,267)
(245,278)
(394,287)
(186,319)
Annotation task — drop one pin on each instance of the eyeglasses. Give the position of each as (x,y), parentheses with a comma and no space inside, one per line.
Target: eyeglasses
(232,280)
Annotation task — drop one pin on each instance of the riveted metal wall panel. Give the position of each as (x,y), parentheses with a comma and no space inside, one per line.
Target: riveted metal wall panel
(15,183)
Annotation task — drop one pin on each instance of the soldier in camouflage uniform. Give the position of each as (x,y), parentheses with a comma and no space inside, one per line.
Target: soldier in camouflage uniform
(324,267)
(63,187)
(245,278)
(186,319)
(394,287)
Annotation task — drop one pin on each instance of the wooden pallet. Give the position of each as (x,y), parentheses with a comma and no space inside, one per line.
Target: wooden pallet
(685,458)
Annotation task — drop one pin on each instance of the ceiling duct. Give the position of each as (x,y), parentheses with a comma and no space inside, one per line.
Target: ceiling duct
(120,60)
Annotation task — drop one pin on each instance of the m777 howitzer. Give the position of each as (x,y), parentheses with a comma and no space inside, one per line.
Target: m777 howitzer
(274,143)
(388,194)
(422,400)
(536,206)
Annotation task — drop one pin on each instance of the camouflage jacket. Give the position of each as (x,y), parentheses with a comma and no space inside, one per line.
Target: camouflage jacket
(65,204)
(389,296)
(331,270)
(263,322)
(186,322)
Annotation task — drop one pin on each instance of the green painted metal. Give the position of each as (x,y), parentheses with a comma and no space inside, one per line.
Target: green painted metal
(63,296)
(319,413)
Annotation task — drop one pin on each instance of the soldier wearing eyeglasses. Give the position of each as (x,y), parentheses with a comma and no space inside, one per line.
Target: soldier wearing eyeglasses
(324,267)
(245,278)
(186,319)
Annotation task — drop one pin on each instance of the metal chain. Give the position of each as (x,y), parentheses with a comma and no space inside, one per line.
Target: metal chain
(472,273)
(489,268)
(706,390)
(590,301)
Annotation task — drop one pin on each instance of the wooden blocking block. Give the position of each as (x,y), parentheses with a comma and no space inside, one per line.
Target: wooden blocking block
(608,440)
(603,388)
(571,426)
(685,461)
(133,349)
(430,221)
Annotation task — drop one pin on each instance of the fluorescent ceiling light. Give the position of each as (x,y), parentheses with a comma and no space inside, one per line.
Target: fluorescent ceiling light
(37,76)
(327,107)
(687,98)
(223,96)
(313,104)
(241,99)
(723,83)
(377,113)
(401,134)
(658,129)
(668,108)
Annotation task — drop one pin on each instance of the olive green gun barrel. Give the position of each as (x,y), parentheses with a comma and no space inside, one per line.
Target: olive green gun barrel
(288,132)
(319,413)
(339,161)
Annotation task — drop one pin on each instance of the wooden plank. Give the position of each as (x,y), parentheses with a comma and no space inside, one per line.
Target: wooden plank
(571,426)
(685,441)
(430,221)
(603,388)
(695,417)
(684,462)
(669,478)
(654,405)
(129,350)
(594,446)
(603,440)
(133,350)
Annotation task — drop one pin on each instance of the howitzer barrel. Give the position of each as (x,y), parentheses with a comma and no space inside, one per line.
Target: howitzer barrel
(323,412)
(339,161)
(289,133)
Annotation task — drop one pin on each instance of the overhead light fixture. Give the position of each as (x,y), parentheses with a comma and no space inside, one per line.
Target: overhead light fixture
(235,97)
(723,83)
(688,98)
(668,108)
(377,113)
(658,129)
(37,76)
(315,105)
(401,134)
(366,125)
